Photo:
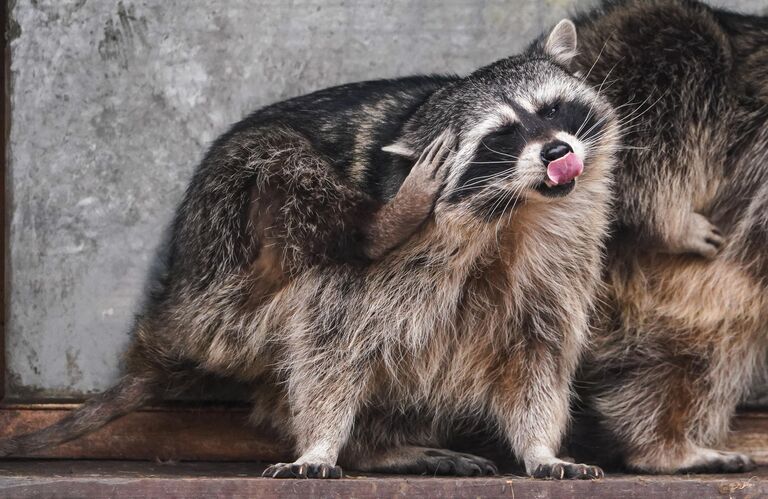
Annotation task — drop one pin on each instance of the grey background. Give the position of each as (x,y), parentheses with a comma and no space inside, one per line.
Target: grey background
(113,104)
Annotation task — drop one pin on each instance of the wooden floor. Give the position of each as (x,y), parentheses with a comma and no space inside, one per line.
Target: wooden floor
(82,479)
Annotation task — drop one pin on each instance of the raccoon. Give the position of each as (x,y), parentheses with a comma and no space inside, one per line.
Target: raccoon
(682,333)
(383,262)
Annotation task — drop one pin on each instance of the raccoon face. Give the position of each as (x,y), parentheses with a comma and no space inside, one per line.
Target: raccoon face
(528,130)
(535,145)
(538,132)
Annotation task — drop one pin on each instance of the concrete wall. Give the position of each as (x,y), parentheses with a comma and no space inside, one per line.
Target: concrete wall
(114,103)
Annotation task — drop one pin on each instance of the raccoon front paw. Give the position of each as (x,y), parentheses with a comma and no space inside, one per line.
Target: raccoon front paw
(701,237)
(304,470)
(567,471)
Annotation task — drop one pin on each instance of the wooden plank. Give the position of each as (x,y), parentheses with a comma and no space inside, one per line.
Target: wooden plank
(173,433)
(750,435)
(84,479)
(219,433)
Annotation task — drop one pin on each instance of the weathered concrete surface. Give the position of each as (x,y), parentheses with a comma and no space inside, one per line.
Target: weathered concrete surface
(113,104)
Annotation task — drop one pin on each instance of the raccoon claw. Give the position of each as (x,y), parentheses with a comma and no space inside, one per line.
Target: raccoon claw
(702,238)
(487,467)
(304,470)
(568,471)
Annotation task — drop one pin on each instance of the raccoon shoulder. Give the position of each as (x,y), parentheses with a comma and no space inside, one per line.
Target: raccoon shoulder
(323,148)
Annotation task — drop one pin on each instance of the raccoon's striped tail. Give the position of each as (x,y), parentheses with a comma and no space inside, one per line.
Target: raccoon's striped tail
(129,394)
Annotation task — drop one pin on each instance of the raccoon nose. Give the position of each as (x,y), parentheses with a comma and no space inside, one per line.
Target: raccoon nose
(554,150)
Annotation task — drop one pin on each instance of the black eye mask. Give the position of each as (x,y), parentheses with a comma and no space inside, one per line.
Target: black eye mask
(497,153)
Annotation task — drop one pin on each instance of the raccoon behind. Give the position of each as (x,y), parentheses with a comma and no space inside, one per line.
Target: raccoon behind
(682,334)
(481,315)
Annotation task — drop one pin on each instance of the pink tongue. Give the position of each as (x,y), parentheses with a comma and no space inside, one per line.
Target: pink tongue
(563,170)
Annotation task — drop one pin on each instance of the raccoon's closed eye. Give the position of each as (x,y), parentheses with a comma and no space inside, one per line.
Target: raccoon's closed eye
(505,130)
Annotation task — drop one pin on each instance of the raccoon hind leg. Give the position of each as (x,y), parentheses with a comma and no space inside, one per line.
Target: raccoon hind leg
(666,409)
(398,219)
(413,460)
(705,460)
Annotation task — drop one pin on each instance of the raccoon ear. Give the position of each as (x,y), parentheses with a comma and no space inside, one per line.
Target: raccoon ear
(401,148)
(561,43)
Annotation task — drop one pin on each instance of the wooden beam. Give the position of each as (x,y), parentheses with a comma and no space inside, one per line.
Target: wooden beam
(218,433)
(84,479)
(750,435)
(201,433)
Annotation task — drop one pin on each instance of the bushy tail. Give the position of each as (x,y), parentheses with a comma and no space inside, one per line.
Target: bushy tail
(129,394)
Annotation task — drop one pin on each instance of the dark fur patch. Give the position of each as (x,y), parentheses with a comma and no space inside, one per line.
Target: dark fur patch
(495,158)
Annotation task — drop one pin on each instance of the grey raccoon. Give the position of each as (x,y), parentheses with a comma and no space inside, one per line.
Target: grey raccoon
(681,337)
(480,314)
